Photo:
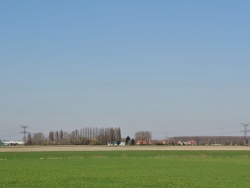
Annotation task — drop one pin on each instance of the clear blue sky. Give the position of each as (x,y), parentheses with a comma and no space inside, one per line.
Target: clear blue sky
(181,67)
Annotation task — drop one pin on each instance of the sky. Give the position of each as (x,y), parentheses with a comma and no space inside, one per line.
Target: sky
(175,68)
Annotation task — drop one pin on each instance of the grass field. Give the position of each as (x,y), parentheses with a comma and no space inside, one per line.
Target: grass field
(125,169)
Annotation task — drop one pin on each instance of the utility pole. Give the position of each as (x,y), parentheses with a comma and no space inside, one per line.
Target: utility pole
(24,132)
(245,132)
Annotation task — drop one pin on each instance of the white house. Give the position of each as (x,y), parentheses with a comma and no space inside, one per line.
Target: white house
(115,144)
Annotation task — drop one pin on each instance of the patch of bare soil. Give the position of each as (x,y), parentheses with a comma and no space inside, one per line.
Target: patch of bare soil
(114,148)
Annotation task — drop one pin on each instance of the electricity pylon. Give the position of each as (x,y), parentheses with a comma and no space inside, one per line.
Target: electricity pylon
(245,131)
(24,132)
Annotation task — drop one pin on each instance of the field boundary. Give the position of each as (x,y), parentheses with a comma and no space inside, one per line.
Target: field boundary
(120,148)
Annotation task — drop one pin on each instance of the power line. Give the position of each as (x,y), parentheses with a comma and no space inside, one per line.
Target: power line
(195,130)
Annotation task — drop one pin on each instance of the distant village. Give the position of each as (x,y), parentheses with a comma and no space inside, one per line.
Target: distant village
(199,140)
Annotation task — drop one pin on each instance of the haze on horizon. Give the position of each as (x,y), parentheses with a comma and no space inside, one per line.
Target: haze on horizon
(180,67)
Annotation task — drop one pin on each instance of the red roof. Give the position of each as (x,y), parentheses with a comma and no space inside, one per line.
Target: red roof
(144,142)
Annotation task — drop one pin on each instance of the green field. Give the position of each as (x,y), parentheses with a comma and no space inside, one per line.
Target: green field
(126,169)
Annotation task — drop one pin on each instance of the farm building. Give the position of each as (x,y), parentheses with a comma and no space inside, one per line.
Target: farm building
(141,142)
(192,142)
(168,142)
(115,144)
(153,142)
(12,143)
(180,143)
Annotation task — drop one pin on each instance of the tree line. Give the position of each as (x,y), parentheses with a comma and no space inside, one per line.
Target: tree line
(83,136)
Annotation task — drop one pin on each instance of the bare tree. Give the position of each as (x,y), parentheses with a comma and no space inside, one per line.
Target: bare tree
(51,137)
(143,135)
(61,136)
(29,139)
(118,134)
(38,138)
(57,137)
